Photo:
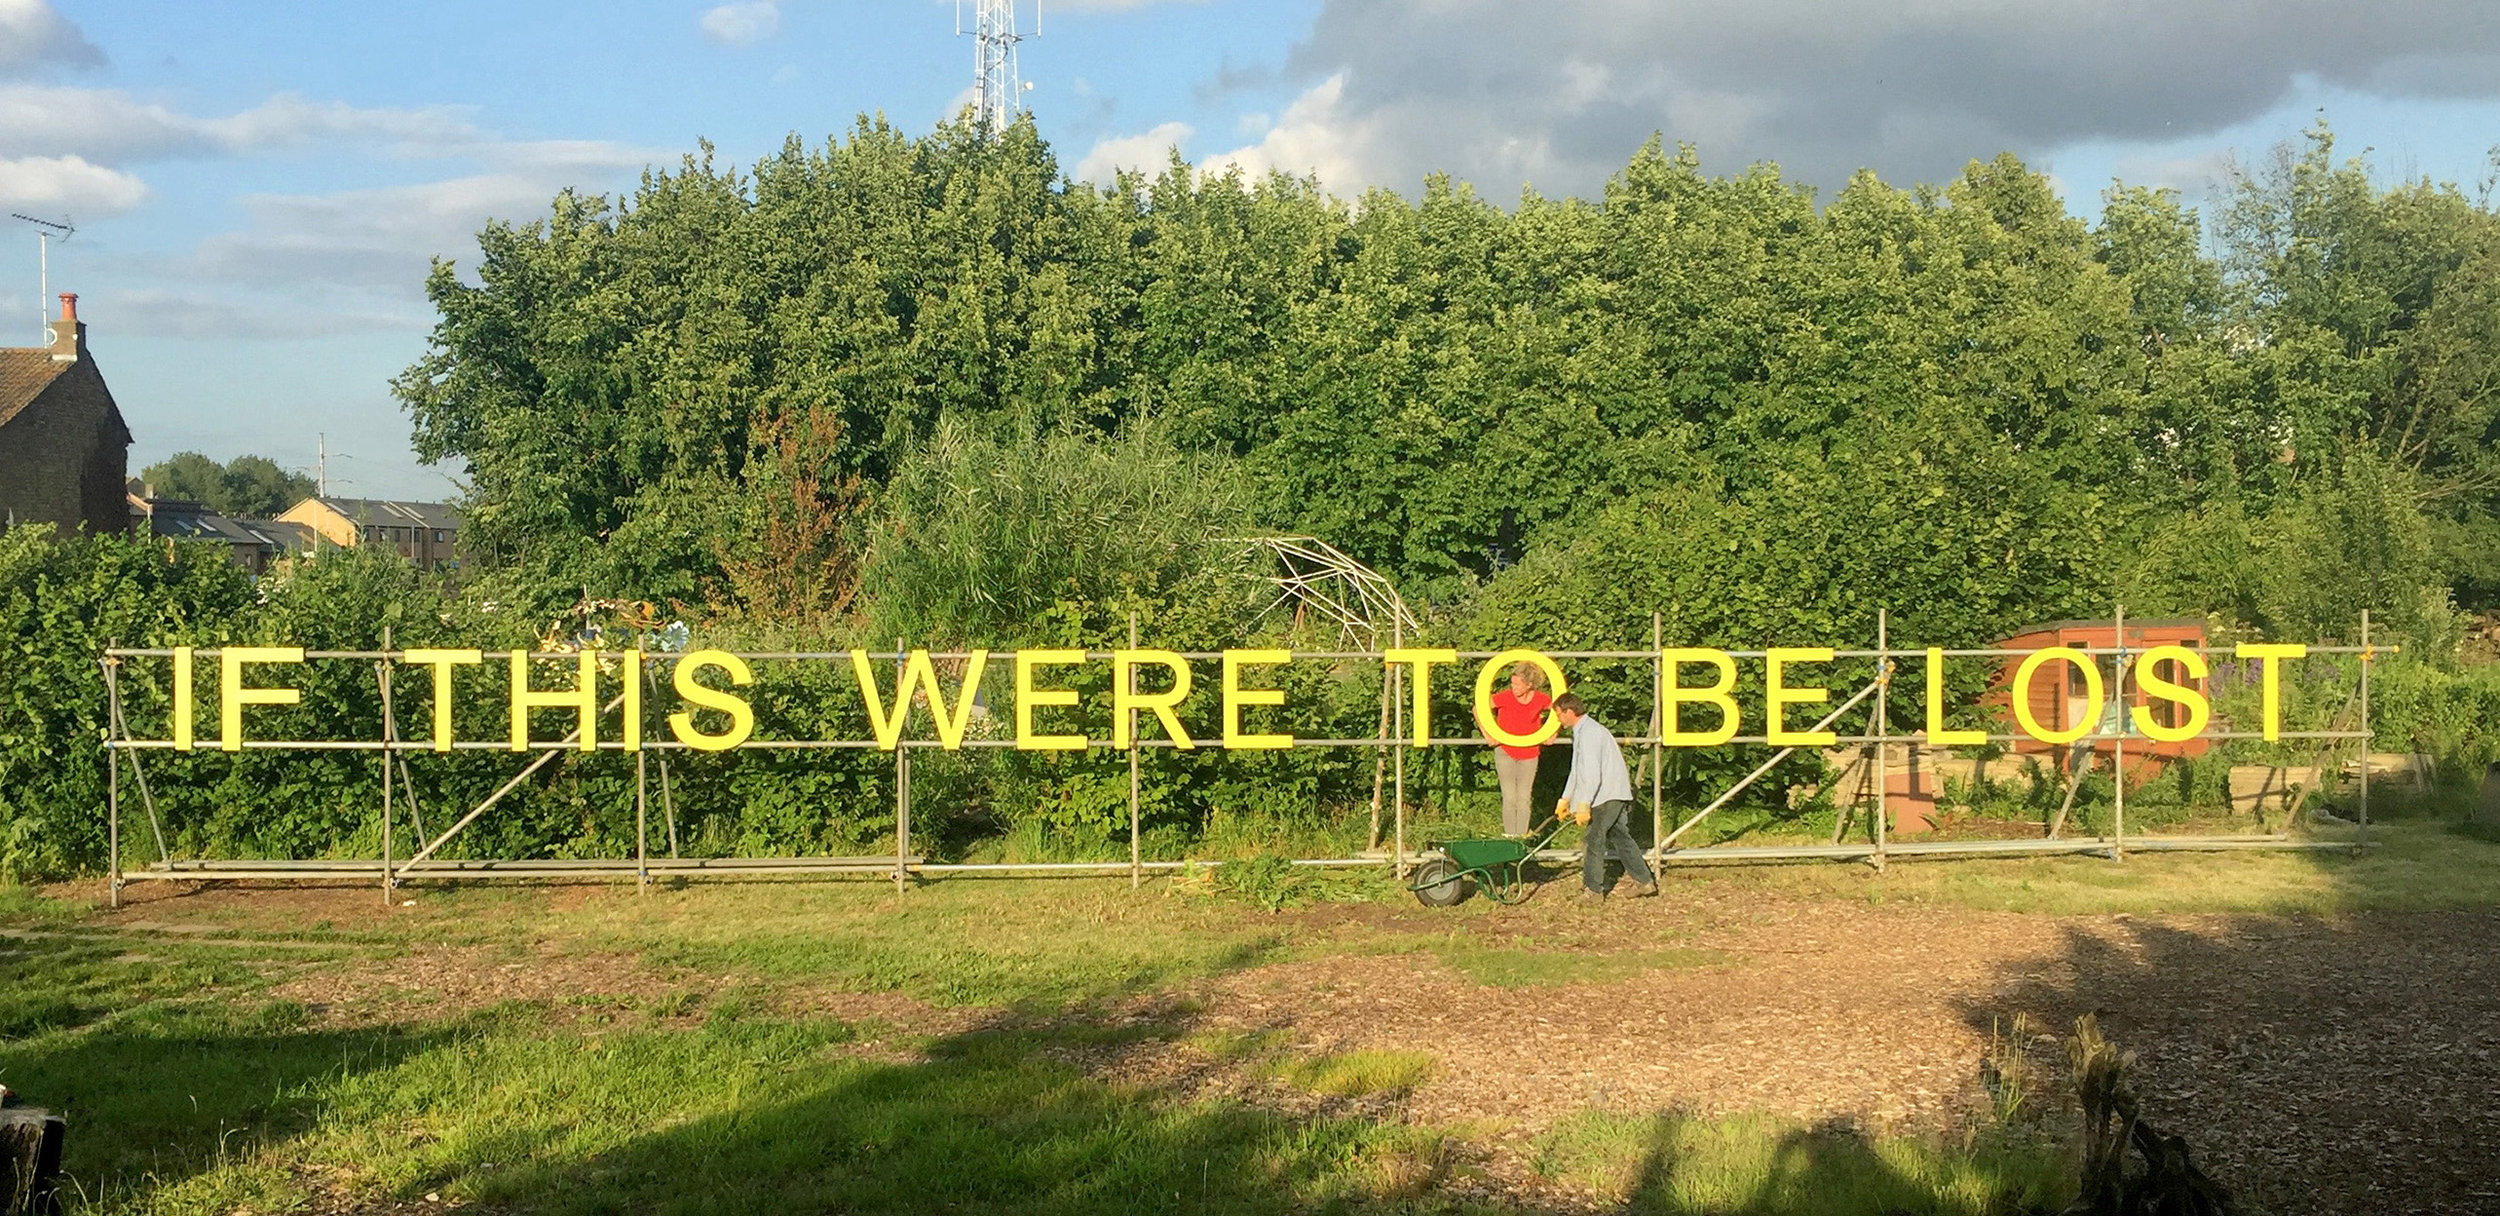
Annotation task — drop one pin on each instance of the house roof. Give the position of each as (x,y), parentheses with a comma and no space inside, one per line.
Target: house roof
(275,533)
(394,513)
(187,520)
(24,373)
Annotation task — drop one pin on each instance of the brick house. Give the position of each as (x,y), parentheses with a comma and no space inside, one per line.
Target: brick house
(64,449)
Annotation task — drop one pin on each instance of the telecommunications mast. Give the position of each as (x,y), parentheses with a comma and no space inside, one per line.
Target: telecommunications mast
(997,90)
(44,230)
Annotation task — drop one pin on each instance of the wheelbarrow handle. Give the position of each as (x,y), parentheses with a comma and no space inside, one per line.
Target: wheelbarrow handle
(1550,834)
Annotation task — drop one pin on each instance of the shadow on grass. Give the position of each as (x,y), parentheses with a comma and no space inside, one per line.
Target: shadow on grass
(158,1086)
(186,1094)
(1673,1163)
(988,1122)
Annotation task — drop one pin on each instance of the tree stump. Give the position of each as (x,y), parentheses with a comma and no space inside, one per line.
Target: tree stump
(30,1161)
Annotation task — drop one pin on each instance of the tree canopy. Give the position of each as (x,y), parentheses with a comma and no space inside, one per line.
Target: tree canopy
(249,486)
(1715,396)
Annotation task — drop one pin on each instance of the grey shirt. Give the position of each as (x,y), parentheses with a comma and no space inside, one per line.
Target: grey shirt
(1597,770)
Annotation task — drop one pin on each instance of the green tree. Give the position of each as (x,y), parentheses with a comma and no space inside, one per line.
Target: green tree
(252,487)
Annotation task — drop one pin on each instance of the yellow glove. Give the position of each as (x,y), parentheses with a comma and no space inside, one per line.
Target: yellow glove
(1580,813)
(1562,808)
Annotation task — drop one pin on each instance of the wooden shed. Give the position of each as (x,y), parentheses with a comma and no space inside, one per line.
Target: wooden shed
(2058,695)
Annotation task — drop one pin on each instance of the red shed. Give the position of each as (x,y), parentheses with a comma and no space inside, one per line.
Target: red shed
(2058,694)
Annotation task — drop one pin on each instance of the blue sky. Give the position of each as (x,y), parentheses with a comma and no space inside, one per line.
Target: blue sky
(258,188)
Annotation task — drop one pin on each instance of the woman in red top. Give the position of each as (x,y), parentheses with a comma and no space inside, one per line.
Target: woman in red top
(1520,709)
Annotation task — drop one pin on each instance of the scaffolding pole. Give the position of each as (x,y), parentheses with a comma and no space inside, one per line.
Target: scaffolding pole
(2361,829)
(1657,742)
(390,735)
(112,811)
(1397,678)
(902,780)
(1732,791)
(121,728)
(1136,820)
(1882,731)
(2118,742)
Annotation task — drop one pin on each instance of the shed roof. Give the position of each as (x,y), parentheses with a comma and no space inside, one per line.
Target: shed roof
(2105,623)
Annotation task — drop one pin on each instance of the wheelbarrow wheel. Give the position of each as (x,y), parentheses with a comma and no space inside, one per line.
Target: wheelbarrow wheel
(1439,883)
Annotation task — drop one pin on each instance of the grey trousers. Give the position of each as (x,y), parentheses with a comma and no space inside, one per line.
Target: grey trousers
(1518,778)
(1610,832)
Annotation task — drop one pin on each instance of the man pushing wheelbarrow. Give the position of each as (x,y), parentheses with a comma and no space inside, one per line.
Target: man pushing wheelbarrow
(1598,797)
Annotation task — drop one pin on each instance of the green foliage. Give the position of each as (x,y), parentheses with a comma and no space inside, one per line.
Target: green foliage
(1052,539)
(250,486)
(1275,883)
(1442,387)
(61,603)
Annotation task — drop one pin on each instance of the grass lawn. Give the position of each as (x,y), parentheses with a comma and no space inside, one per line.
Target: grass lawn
(674,1052)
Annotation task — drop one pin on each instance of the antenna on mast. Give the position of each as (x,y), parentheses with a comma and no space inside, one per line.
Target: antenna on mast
(43,275)
(997,90)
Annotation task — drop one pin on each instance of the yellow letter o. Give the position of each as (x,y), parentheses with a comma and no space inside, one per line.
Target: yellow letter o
(2091,691)
(1554,683)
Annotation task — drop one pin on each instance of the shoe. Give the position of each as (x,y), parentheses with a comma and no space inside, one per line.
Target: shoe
(1592,897)
(1643,890)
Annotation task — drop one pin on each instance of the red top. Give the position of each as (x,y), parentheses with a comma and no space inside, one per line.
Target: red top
(1520,716)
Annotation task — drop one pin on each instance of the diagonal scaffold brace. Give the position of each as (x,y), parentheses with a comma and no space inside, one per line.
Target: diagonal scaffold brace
(1658,853)
(507,787)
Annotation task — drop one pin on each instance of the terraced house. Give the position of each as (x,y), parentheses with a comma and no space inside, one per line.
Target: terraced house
(427,533)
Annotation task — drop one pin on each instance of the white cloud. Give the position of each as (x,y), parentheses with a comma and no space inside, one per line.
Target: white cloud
(380,240)
(69,185)
(33,36)
(1148,152)
(352,260)
(349,261)
(2195,176)
(1316,135)
(1559,93)
(112,127)
(190,313)
(744,23)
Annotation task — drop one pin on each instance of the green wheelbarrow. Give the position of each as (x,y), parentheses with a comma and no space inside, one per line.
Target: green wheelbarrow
(1497,867)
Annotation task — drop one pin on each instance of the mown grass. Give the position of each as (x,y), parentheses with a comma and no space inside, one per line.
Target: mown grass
(193,1090)
(1673,1163)
(2412,865)
(1352,1074)
(513,1109)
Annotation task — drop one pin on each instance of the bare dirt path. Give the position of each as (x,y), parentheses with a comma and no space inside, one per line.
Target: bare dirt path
(2320,1065)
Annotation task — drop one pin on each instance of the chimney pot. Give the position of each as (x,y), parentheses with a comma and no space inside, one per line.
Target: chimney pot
(67,336)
